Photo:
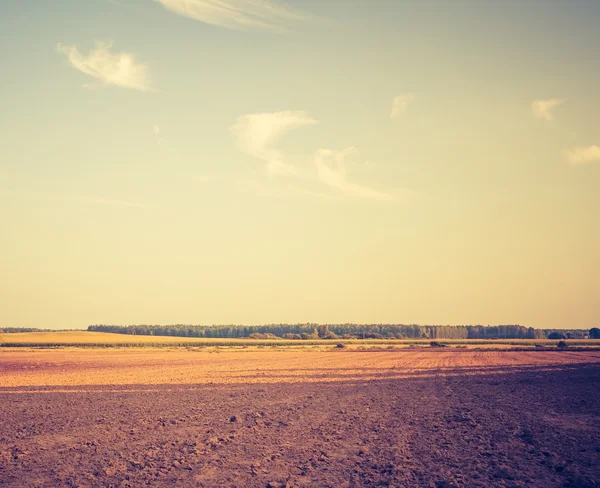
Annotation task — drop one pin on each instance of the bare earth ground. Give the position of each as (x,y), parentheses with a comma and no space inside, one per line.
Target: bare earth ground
(303,418)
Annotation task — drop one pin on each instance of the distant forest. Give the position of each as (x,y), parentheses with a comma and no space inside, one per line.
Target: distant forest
(8,330)
(345,331)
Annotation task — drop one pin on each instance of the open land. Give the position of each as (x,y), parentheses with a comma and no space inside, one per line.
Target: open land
(301,418)
(81,338)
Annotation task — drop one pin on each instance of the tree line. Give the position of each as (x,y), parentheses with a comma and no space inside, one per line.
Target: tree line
(312,331)
(8,330)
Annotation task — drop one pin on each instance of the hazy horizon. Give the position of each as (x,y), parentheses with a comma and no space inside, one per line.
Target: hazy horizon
(331,324)
(419,162)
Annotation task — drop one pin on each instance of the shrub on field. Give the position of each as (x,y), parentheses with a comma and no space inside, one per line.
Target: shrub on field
(323,332)
(257,335)
(436,344)
(562,345)
(312,336)
(340,345)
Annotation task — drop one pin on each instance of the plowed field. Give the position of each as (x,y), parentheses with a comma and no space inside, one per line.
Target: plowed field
(158,417)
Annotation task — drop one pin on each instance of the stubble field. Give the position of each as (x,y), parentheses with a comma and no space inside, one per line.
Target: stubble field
(277,417)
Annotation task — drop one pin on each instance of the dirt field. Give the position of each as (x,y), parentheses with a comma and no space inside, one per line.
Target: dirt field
(161,417)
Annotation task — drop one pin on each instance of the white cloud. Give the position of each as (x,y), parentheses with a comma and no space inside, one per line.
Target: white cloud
(258,134)
(583,155)
(236,14)
(331,170)
(400,104)
(119,69)
(542,109)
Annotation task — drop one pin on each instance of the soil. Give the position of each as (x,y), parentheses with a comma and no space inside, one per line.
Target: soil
(422,418)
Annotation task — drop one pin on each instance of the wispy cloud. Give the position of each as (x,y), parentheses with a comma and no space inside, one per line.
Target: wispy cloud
(543,109)
(331,170)
(400,104)
(583,155)
(258,135)
(156,131)
(236,14)
(82,199)
(118,69)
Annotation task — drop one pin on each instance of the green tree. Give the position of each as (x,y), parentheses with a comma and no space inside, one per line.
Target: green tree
(556,335)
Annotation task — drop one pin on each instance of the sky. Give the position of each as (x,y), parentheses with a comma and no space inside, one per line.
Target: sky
(253,161)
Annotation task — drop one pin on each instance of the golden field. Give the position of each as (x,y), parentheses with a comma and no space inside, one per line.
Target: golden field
(85,338)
